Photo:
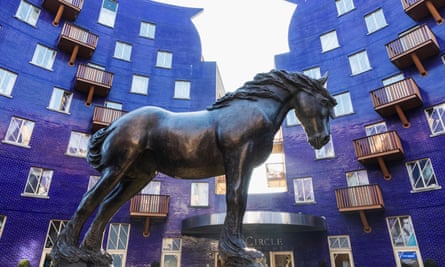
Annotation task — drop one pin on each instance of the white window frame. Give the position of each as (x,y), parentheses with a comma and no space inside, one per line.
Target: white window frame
(301,195)
(147,30)
(375,21)
(92,181)
(122,51)
(54,229)
(314,73)
(393,79)
(329,41)
(44,57)
(139,84)
(2,224)
(7,82)
(28,13)
(376,128)
(171,247)
(164,59)
(359,62)
(344,104)
(436,123)
(199,194)
(38,182)
(60,100)
(78,144)
(118,247)
(107,16)
(287,256)
(357,178)
(182,90)
(291,119)
(19,132)
(420,165)
(340,245)
(113,105)
(326,152)
(344,6)
(403,238)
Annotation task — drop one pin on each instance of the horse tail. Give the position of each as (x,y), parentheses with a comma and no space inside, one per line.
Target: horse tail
(94,154)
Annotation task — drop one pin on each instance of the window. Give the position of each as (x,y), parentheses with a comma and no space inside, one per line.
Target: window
(304,191)
(291,119)
(344,6)
(147,30)
(139,85)
(171,252)
(327,151)
(359,62)
(329,41)
(282,258)
(313,73)
(182,90)
(60,100)
(199,196)
(7,81)
(220,185)
(38,182)
(421,175)
(436,119)
(54,229)
(344,104)
(43,57)
(375,128)
(108,12)
(117,244)
(164,59)
(19,132)
(404,242)
(122,51)
(78,144)
(92,181)
(2,224)
(393,79)
(375,21)
(356,178)
(27,13)
(340,251)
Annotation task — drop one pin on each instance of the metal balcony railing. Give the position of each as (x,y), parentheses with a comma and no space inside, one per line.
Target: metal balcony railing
(146,205)
(68,9)
(77,41)
(397,97)
(412,47)
(104,116)
(93,81)
(419,9)
(355,198)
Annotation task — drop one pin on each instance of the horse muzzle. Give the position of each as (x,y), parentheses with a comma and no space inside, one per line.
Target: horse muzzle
(319,140)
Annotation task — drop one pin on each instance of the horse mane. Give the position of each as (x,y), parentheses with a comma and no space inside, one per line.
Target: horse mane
(259,87)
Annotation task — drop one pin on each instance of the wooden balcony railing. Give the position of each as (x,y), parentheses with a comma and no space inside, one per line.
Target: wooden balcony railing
(379,147)
(419,9)
(397,97)
(149,206)
(93,81)
(104,116)
(77,41)
(413,47)
(68,9)
(360,198)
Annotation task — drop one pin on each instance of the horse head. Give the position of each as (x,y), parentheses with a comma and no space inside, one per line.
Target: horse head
(313,106)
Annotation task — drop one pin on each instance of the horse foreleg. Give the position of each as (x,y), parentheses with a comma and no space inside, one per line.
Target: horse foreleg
(232,248)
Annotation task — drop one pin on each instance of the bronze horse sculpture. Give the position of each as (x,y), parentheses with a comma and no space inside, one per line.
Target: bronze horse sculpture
(231,137)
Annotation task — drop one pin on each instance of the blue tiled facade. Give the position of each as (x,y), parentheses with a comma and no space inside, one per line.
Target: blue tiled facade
(26,218)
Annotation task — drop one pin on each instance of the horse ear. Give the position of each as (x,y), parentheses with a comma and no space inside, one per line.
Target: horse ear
(324,79)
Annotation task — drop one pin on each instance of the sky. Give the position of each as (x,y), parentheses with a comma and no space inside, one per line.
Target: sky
(242,36)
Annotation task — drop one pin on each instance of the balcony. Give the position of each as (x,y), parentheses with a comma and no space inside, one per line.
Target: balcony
(379,147)
(397,97)
(77,41)
(93,81)
(360,198)
(68,9)
(104,116)
(149,206)
(413,47)
(419,9)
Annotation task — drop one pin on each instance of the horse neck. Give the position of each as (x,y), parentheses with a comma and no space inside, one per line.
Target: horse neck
(277,110)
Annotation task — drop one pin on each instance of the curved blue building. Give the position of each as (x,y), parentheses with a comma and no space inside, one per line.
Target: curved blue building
(371,197)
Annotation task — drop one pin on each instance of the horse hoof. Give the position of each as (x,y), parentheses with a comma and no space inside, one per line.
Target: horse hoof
(77,257)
